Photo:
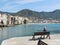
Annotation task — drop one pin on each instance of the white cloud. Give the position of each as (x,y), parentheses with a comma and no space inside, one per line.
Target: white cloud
(21,1)
(13,4)
(48,8)
(8,7)
(26,1)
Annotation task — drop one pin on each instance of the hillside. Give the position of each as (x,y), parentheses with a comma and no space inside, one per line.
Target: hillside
(1,12)
(29,13)
(46,15)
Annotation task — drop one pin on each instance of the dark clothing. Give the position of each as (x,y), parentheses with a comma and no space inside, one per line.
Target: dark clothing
(44,30)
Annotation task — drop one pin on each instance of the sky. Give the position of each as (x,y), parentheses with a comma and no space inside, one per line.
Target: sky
(35,5)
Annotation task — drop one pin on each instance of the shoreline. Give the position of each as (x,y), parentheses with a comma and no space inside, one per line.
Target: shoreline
(55,40)
(27,23)
(43,23)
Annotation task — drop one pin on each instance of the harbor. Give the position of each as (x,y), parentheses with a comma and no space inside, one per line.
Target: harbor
(29,22)
(28,29)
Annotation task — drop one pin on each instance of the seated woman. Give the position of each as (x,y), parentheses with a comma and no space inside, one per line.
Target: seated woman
(44,30)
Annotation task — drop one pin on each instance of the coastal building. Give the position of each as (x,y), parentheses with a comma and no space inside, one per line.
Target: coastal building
(13,20)
(16,19)
(25,18)
(10,19)
(20,20)
(30,21)
(0,18)
(3,18)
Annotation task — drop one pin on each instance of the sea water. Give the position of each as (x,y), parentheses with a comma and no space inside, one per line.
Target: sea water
(27,30)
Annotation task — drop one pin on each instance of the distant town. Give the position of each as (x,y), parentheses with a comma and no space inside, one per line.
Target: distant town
(14,20)
(11,20)
(41,20)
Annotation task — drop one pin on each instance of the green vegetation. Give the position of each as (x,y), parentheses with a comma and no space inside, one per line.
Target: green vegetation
(44,15)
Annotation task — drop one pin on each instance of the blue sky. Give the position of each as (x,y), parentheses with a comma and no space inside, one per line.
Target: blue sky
(36,5)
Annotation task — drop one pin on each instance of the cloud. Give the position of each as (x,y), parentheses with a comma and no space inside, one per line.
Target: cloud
(48,8)
(14,4)
(22,1)
(8,7)
(27,1)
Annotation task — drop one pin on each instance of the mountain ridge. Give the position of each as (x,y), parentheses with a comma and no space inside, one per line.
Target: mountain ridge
(30,13)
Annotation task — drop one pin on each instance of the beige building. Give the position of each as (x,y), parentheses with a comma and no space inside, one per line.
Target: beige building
(20,20)
(3,18)
(10,19)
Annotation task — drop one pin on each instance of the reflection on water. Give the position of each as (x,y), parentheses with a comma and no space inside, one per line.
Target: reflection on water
(27,30)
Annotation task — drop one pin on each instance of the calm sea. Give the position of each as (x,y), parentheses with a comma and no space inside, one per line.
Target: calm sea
(27,30)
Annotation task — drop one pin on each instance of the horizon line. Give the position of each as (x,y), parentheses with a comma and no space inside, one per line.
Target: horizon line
(29,9)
